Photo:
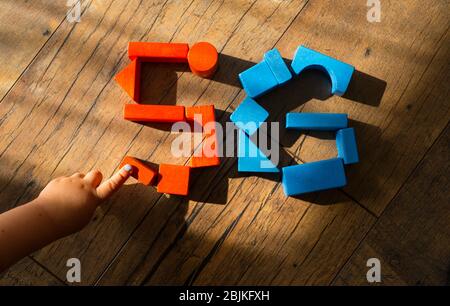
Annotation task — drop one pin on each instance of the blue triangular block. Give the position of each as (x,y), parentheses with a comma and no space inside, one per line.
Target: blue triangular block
(251,158)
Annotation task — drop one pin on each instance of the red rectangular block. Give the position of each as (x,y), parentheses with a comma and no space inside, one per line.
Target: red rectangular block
(173,179)
(140,171)
(153,113)
(158,52)
(207,113)
(207,155)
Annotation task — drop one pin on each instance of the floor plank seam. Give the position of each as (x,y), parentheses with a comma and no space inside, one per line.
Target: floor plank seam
(373,214)
(386,208)
(36,55)
(312,250)
(240,89)
(292,21)
(142,220)
(47,270)
(193,277)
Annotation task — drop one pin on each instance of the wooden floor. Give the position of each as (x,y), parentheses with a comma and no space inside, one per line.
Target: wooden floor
(60,112)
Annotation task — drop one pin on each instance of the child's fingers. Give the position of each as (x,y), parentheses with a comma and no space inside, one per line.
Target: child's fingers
(94,178)
(78,174)
(111,185)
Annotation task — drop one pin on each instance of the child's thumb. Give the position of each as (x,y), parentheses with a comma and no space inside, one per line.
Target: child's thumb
(108,187)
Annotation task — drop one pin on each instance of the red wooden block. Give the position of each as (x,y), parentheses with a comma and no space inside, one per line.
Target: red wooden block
(158,52)
(140,171)
(173,179)
(154,113)
(203,59)
(208,156)
(130,79)
(206,111)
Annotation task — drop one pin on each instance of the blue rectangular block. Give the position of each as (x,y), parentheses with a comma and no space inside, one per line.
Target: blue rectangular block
(258,79)
(251,158)
(346,146)
(279,68)
(249,116)
(315,176)
(316,121)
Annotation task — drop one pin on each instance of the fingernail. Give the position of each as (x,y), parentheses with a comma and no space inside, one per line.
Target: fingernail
(128,167)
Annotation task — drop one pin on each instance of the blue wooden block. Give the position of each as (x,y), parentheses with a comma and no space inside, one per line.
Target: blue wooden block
(346,146)
(315,176)
(249,116)
(316,121)
(258,79)
(340,73)
(279,68)
(250,157)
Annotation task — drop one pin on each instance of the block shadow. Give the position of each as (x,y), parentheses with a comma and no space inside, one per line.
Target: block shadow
(311,84)
(158,90)
(363,88)
(162,87)
(159,208)
(366,89)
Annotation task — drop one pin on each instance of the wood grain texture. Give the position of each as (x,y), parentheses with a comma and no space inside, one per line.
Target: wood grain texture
(412,236)
(25,27)
(65,115)
(86,98)
(28,273)
(183,261)
(409,50)
(178,252)
(221,91)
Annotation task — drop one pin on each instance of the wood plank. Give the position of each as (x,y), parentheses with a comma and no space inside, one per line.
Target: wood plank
(160,262)
(288,242)
(174,252)
(100,138)
(257,225)
(53,126)
(243,43)
(28,273)
(411,238)
(25,28)
(56,107)
(395,132)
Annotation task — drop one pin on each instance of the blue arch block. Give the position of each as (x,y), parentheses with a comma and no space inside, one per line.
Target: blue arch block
(250,157)
(346,146)
(249,116)
(340,73)
(315,176)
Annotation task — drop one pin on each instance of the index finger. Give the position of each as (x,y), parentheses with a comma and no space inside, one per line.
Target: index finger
(108,187)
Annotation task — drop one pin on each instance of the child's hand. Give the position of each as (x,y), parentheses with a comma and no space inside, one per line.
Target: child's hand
(65,206)
(70,202)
